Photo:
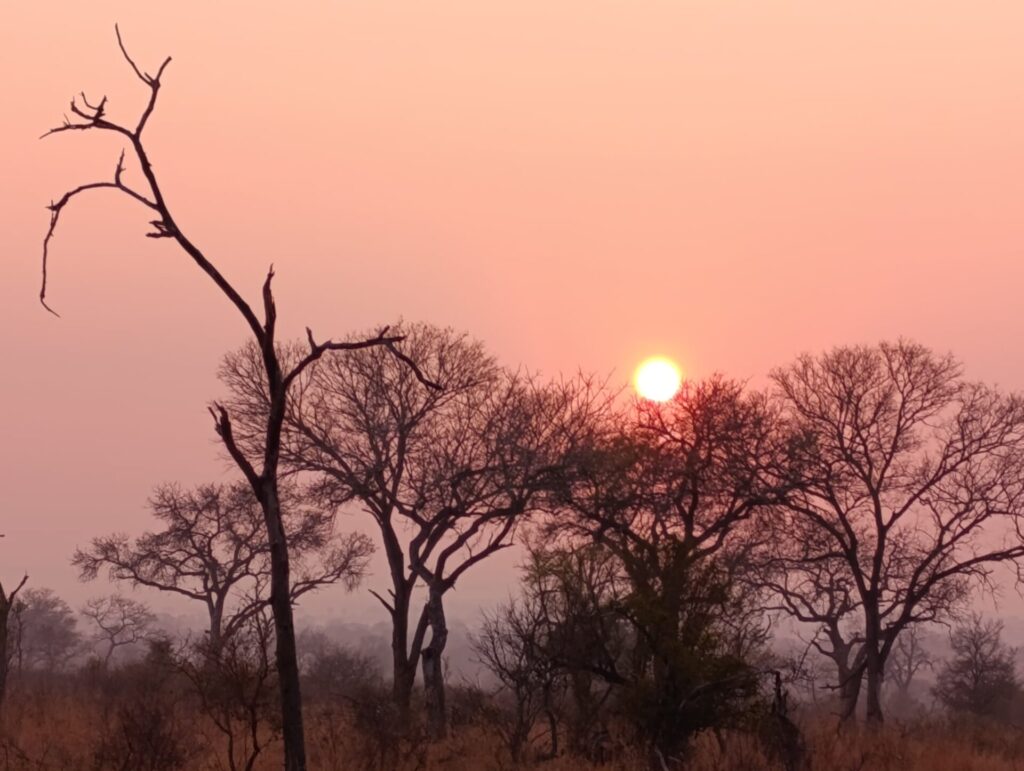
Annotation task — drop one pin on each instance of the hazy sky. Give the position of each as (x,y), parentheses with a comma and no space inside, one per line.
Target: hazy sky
(578,183)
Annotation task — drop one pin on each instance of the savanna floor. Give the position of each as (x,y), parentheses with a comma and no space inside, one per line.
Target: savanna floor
(69,732)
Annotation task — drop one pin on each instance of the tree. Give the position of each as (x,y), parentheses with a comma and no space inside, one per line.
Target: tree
(445,473)
(119,622)
(981,678)
(674,493)
(261,467)
(234,683)
(213,549)
(913,478)
(815,589)
(8,605)
(514,643)
(48,636)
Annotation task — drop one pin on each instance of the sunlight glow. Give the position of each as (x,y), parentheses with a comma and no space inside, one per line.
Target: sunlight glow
(658,379)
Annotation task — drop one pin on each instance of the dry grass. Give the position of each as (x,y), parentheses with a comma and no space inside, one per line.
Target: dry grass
(59,731)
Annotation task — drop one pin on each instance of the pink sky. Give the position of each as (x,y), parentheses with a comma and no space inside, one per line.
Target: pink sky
(579,184)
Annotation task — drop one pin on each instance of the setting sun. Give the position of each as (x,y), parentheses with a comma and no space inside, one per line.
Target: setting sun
(657,379)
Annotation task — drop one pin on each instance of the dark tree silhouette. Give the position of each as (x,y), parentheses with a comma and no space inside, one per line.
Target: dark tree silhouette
(8,604)
(446,474)
(213,549)
(674,494)
(913,480)
(119,621)
(260,467)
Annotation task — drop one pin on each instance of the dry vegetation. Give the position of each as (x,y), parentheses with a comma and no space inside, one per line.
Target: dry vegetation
(86,727)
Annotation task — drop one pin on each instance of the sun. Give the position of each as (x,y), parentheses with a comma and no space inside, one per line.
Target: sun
(657,379)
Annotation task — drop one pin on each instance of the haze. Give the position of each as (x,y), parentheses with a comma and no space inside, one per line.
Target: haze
(578,184)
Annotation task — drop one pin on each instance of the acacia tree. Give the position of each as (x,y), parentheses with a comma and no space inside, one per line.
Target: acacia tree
(260,465)
(446,474)
(213,549)
(8,605)
(913,481)
(119,621)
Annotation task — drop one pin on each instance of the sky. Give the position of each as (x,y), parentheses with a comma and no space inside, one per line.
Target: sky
(578,184)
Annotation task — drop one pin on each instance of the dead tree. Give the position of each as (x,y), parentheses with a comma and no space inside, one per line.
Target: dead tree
(8,602)
(213,549)
(119,621)
(912,476)
(446,474)
(260,468)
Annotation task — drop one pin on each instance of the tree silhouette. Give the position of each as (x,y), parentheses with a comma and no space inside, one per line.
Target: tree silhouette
(119,621)
(213,549)
(8,604)
(446,474)
(261,468)
(912,481)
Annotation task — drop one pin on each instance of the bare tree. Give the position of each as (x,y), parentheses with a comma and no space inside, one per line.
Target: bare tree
(261,467)
(446,474)
(213,549)
(514,644)
(8,603)
(981,678)
(234,683)
(119,621)
(913,479)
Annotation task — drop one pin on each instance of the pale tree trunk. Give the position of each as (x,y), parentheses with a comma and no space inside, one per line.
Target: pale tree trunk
(433,669)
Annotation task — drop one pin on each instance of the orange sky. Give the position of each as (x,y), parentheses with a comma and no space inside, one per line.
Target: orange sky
(577,183)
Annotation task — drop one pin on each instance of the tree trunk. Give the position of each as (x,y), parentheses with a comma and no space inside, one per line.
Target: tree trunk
(284,629)
(217,626)
(873,672)
(849,693)
(873,663)
(553,730)
(403,677)
(433,674)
